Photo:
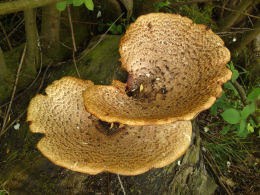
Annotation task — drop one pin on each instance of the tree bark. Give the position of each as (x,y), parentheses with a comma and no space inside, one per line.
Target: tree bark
(50,33)
(32,52)
(31,173)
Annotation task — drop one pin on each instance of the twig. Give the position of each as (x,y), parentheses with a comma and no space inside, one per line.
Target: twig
(85,52)
(14,89)
(121,184)
(12,123)
(13,30)
(6,37)
(187,3)
(246,39)
(237,11)
(21,115)
(108,183)
(242,94)
(32,83)
(75,63)
(71,28)
(215,172)
(73,41)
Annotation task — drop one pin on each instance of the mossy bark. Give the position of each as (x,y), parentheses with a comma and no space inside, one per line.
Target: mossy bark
(50,32)
(26,171)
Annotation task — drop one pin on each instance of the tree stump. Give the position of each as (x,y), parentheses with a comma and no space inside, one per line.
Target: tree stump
(31,173)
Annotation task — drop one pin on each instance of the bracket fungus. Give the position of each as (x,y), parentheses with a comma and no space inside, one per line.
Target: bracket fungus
(73,138)
(176,69)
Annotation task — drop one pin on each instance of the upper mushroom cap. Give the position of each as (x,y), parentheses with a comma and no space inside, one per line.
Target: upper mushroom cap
(176,66)
(73,138)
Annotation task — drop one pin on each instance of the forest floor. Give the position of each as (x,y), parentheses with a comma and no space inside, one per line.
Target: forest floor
(233,161)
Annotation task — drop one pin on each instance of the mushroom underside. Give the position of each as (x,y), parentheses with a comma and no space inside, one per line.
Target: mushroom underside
(73,138)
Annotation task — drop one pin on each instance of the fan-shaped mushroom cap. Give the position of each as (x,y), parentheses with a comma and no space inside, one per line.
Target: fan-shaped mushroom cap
(176,69)
(72,138)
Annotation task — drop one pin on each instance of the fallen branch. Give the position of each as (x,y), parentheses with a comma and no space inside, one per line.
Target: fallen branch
(16,6)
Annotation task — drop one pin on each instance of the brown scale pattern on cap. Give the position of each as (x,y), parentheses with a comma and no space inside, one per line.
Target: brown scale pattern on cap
(72,139)
(181,66)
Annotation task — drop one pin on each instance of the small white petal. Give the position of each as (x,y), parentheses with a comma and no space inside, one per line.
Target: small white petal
(17,126)
(99,14)
(206,129)
(228,164)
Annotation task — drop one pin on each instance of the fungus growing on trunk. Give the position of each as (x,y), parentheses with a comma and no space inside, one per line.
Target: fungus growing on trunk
(74,139)
(176,69)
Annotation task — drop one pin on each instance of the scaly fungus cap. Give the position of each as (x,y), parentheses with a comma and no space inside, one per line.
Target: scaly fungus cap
(73,138)
(176,69)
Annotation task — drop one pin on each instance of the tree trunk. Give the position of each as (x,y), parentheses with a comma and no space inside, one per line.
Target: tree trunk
(26,171)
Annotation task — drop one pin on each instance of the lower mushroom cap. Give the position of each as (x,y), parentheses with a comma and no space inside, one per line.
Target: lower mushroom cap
(72,138)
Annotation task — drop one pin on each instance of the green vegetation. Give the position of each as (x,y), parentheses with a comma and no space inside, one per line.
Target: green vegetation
(61,6)
(236,114)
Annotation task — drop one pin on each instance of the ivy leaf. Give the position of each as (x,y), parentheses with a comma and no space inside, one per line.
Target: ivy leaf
(254,94)
(232,116)
(243,132)
(247,110)
(89,4)
(78,2)
(61,6)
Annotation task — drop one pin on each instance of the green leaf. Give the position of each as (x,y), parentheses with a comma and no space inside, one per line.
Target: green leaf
(78,2)
(250,128)
(232,116)
(113,29)
(61,6)
(89,4)
(230,86)
(225,130)
(254,95)
(214,109)
(247,110)
(243,132)
(235,75)
(119,29)
(3,192)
